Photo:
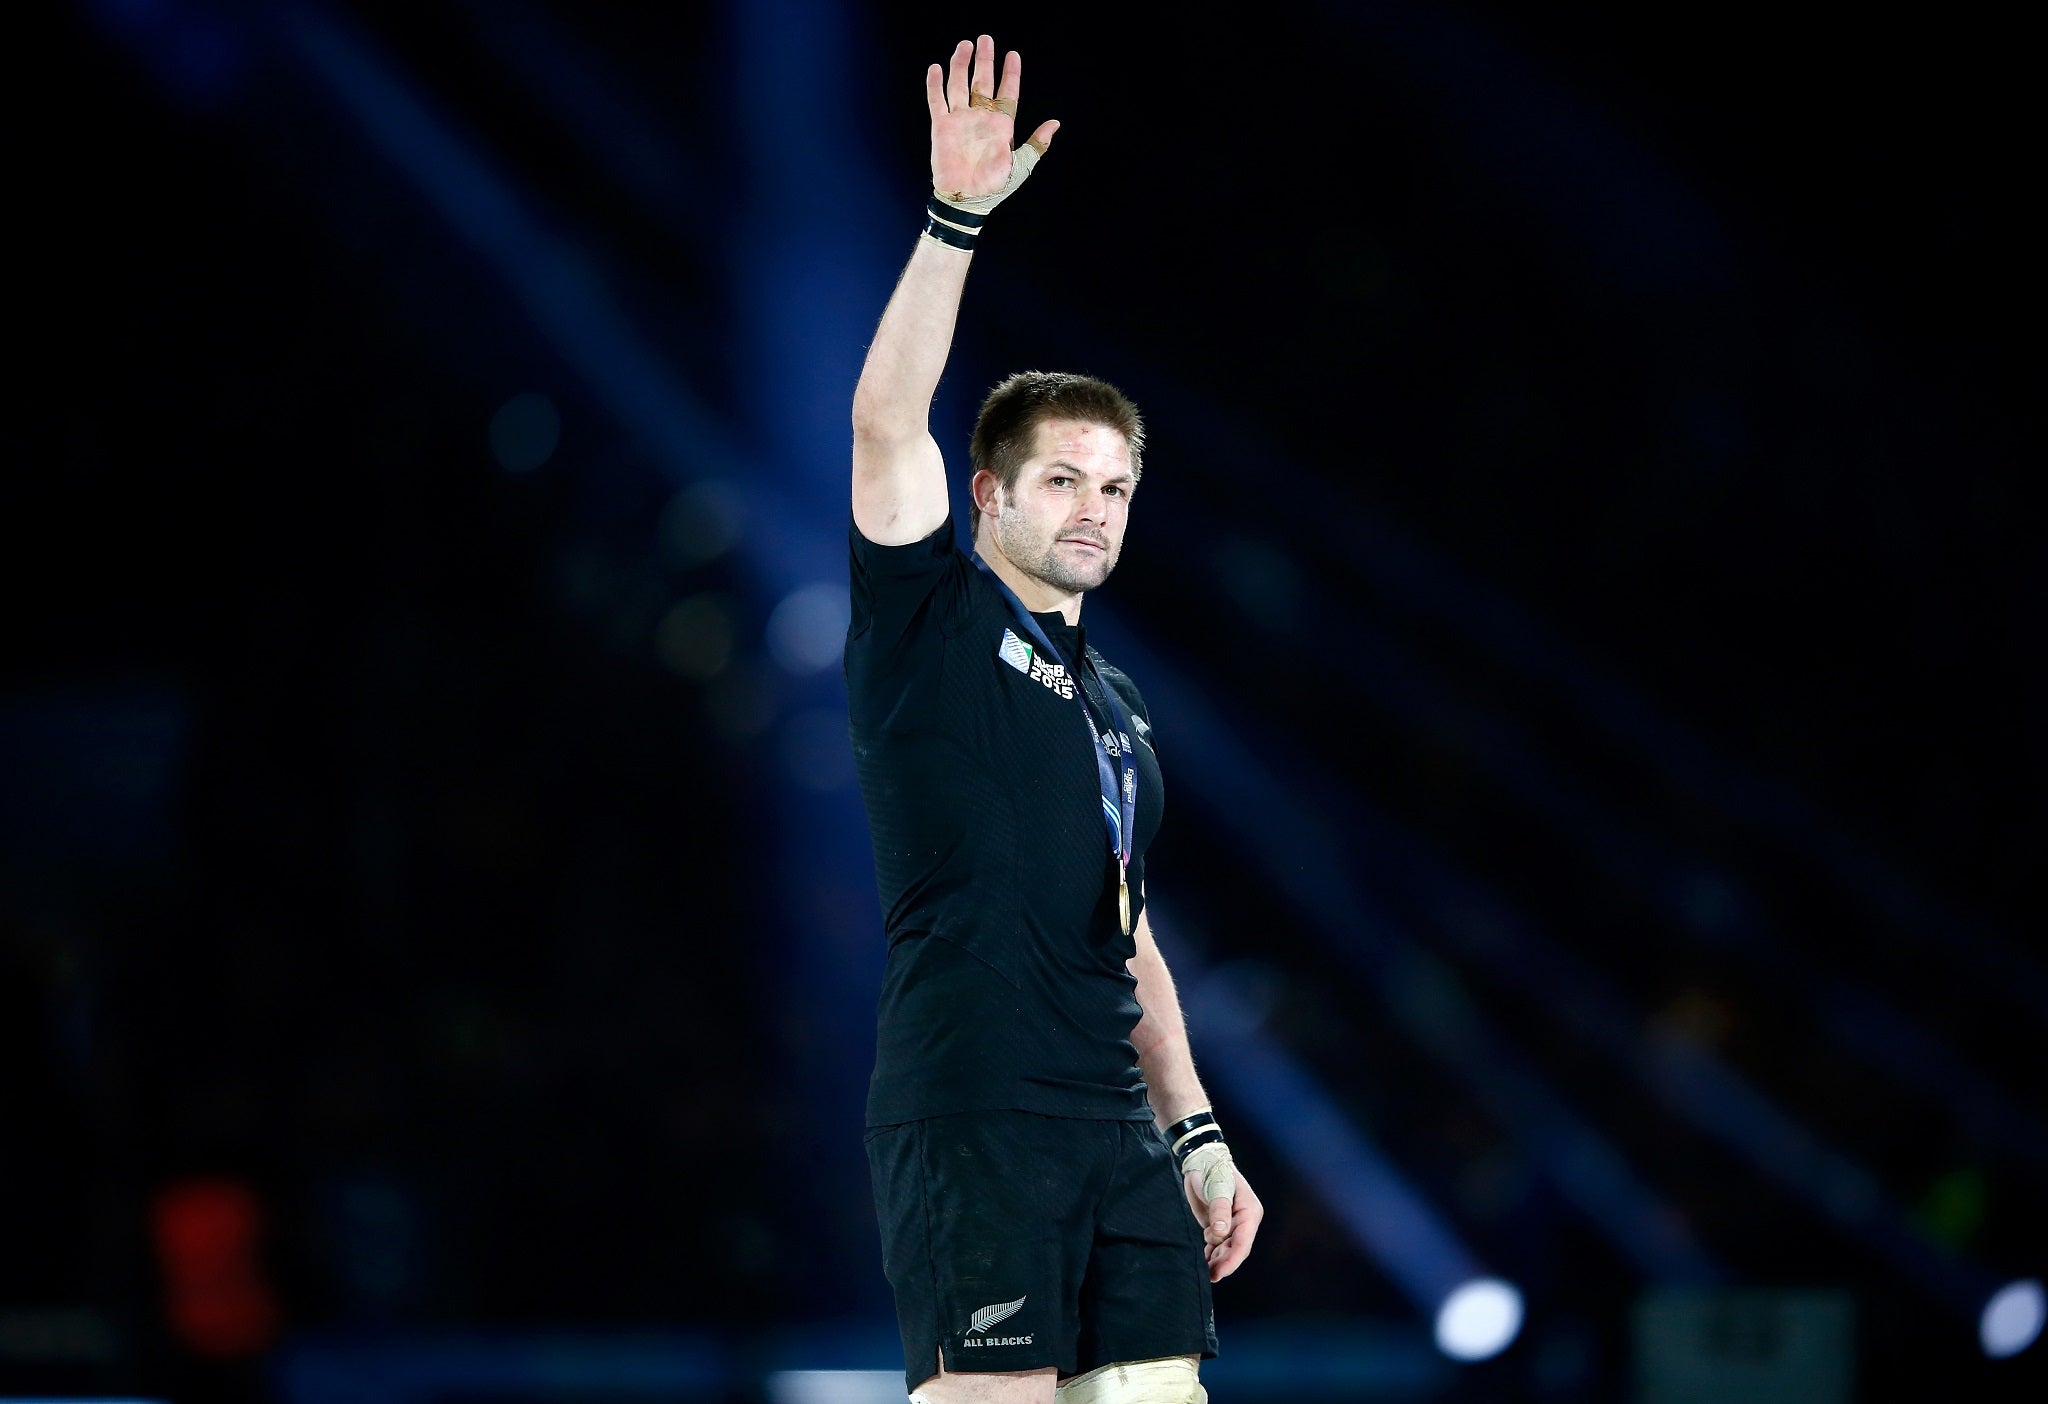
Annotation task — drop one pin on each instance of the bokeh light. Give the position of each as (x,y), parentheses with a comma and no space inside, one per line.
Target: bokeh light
(808,629)
(2013,1318)
(1479,1320)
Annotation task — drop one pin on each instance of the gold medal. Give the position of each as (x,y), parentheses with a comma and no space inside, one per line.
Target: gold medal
(1123,897)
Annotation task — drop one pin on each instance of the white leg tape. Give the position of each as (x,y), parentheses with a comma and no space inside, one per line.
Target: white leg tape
(1169,1381)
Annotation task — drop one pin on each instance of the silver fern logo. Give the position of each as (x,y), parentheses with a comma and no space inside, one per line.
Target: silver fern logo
(993,1315)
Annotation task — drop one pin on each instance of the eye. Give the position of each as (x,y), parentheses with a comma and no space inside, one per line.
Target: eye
(1114,490)
(1059,480)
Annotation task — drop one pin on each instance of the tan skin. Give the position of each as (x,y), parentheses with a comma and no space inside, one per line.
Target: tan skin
(1057,531)
(899,475)
(1052,536)
(971,145)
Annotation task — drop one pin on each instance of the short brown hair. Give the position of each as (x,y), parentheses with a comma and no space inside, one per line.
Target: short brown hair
(1006,430)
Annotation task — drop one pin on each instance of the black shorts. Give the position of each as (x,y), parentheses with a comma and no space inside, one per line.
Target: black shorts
(1016,1241)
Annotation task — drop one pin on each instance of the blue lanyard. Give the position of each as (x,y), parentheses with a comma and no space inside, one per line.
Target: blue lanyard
(1112,742)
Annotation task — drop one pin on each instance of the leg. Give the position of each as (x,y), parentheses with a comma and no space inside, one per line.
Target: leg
(985,1230)
(1020,1387)
(1146,1296)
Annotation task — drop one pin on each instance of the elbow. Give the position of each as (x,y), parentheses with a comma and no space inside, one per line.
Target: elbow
(875,421)
(867,423)
(868,411)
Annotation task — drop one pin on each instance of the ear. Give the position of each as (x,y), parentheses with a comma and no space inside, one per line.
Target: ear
(985,488)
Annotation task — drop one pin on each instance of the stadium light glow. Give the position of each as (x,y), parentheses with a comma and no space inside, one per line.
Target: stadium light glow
(1479,1320)
(2013,1318)
(835,1387)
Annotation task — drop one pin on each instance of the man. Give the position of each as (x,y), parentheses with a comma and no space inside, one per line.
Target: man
(1033,1093)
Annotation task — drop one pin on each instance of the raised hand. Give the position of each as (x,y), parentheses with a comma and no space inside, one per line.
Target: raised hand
(974,125)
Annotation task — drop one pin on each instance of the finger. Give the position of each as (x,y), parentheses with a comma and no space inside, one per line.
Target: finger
(956,77)
(1013,76)
(935,91)
(1042,138)
(1227,1256)
(1197,1205)
(1215,1217)
(984,66)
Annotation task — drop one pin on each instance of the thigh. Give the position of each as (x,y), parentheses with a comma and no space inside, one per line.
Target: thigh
(987,1222)
(1030,1387)
(1146,1294)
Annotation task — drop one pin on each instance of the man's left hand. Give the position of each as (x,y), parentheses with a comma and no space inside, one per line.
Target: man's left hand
(1229,1219)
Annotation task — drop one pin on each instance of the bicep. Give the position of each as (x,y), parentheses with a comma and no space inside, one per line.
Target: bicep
(899,488)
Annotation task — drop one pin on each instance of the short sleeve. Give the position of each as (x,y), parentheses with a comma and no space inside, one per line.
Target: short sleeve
(903,601)
(894,587)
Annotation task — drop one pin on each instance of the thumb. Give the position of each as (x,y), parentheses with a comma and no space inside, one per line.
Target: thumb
(1042,138)
(1218,1185)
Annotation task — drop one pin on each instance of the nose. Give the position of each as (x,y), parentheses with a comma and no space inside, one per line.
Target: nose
(1094,506)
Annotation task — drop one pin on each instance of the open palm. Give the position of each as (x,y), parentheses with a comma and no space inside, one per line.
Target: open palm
(973,120)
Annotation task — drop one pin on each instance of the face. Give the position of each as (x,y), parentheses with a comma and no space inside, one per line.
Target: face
(1063,521)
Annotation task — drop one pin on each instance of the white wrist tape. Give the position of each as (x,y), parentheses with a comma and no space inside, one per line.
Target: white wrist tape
(1212,1162)
(1021,162)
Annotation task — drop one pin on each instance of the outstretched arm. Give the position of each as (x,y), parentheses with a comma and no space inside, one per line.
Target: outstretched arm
(899,477)
(1230,1221)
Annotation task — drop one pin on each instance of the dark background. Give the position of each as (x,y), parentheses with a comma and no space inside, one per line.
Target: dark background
(1583,533)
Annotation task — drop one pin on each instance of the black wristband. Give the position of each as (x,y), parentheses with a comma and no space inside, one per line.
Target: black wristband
(953,214)
(1211,1136)
(948,235)
(1190,1134)
(952,227)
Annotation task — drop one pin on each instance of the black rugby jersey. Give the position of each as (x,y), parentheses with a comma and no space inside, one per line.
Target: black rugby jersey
(1006,985)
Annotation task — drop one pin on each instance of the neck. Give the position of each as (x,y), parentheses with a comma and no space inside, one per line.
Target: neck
(1037,596)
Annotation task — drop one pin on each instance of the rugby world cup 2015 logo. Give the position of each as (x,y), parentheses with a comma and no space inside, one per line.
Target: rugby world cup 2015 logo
(1015,652)
(1021,656)
(993,1315)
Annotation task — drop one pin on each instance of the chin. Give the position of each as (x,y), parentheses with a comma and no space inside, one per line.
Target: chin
(1088,571)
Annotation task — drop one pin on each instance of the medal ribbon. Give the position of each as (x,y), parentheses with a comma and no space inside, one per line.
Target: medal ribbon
(1112,740)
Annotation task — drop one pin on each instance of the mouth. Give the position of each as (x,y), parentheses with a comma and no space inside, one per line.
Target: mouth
(1089,542)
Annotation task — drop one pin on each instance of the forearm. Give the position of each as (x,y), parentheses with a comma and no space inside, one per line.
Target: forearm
(899,475)
(974,168)
(893,400)
(1161,1038)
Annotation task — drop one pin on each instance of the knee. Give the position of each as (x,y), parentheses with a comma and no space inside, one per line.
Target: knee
(1170,1381)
